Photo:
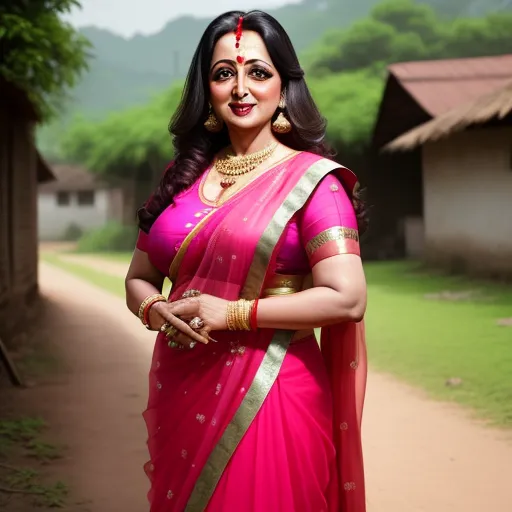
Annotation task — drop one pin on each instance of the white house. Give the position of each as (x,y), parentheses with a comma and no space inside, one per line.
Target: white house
(467,184)
(76,201)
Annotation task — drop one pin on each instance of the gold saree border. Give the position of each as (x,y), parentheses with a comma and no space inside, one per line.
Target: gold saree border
(221,454)
(295,200)
(272,361)
(334,248)
(336,233)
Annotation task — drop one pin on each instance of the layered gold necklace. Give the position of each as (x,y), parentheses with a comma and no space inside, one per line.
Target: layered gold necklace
(231,166)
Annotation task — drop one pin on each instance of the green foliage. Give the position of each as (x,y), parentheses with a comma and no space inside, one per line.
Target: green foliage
(22,430)
(26,481)
(124,73)
(402,30)
(41,53)
(124,139)
(491,35)
(346,71)
(43,451)
(112,237)
(350,101)
(72,233)
(406,16)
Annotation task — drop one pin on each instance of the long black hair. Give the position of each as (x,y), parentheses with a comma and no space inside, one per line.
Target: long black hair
(195,147)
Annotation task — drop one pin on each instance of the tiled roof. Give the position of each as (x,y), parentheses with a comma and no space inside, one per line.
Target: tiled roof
(441,85)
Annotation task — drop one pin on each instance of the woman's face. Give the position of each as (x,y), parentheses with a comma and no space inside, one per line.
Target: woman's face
(245,95)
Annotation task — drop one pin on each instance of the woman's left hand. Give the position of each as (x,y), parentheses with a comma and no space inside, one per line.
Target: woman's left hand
(211,310)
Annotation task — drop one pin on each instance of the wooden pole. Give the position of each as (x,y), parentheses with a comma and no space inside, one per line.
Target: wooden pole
(9,365)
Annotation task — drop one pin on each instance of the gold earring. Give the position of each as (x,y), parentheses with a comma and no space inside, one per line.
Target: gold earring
(281,124)
(213,124)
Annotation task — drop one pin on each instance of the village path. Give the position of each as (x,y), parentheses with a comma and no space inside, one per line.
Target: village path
(421,455)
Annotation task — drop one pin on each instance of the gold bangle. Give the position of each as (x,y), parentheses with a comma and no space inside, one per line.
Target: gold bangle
(148,302)
(238,317)
(244,315)
(229,316)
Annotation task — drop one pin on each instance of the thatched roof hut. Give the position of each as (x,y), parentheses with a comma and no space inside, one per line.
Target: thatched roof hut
(494,105)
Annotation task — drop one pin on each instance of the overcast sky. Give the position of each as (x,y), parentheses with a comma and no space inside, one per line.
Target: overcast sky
(128,17)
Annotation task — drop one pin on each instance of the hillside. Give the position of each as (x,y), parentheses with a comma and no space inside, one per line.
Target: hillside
(125,72)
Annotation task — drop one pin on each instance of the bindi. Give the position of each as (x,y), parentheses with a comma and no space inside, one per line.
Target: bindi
(238,35)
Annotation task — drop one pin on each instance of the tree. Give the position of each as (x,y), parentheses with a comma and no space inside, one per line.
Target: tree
(408,17)
(350,102)
(41,53)
(346,72)
(368,41)
(395,30)
(125,140)
(401,30)
(478,37)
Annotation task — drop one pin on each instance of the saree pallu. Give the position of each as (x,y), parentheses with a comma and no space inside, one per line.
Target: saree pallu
(203,403)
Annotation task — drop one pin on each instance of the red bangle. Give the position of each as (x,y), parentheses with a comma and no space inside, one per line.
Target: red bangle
(148,306)
(253,320)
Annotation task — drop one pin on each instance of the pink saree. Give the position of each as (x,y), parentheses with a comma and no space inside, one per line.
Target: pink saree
(203,403)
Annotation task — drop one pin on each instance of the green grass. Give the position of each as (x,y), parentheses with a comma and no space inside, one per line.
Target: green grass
(123,257)
(424,341)
(21,436)
(110,283)
(28,481)
(427,341)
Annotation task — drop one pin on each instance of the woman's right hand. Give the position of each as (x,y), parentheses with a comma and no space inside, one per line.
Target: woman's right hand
(159,314)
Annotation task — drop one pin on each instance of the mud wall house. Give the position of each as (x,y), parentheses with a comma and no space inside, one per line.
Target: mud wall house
(416,93)
(21,169)
(75,202)
(467,184)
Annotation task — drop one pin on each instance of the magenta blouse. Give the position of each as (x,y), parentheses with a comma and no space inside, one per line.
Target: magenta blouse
(325,226)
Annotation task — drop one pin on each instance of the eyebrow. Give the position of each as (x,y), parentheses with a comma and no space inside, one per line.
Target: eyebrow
(232,62)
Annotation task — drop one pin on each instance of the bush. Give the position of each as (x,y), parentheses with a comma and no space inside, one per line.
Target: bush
(73,233)
(112,237)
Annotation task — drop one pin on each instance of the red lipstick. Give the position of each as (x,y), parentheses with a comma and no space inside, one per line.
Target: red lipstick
(241,109)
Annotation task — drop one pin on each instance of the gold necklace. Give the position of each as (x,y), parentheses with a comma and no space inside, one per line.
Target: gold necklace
(232,166)
(228,194)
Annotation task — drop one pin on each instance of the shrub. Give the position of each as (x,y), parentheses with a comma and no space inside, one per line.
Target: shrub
(112,237)
(73,233)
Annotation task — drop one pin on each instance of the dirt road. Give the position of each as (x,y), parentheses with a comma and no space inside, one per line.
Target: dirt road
(420,455)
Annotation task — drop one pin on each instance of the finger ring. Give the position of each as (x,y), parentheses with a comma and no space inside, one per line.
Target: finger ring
(192,344)
(173,344)
(196,323)
(191,293)
(165,327)
(171,331)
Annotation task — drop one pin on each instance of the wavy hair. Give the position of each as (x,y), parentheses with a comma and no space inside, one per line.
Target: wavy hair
(195,147)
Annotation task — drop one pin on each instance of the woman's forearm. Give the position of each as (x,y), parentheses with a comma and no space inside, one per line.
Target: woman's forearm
(317,307)
(136,291)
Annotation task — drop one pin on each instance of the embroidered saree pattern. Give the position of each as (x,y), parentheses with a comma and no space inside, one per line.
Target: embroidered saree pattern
(204,402)
(333,241)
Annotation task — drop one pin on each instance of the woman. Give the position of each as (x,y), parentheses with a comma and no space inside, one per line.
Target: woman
(257,232)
